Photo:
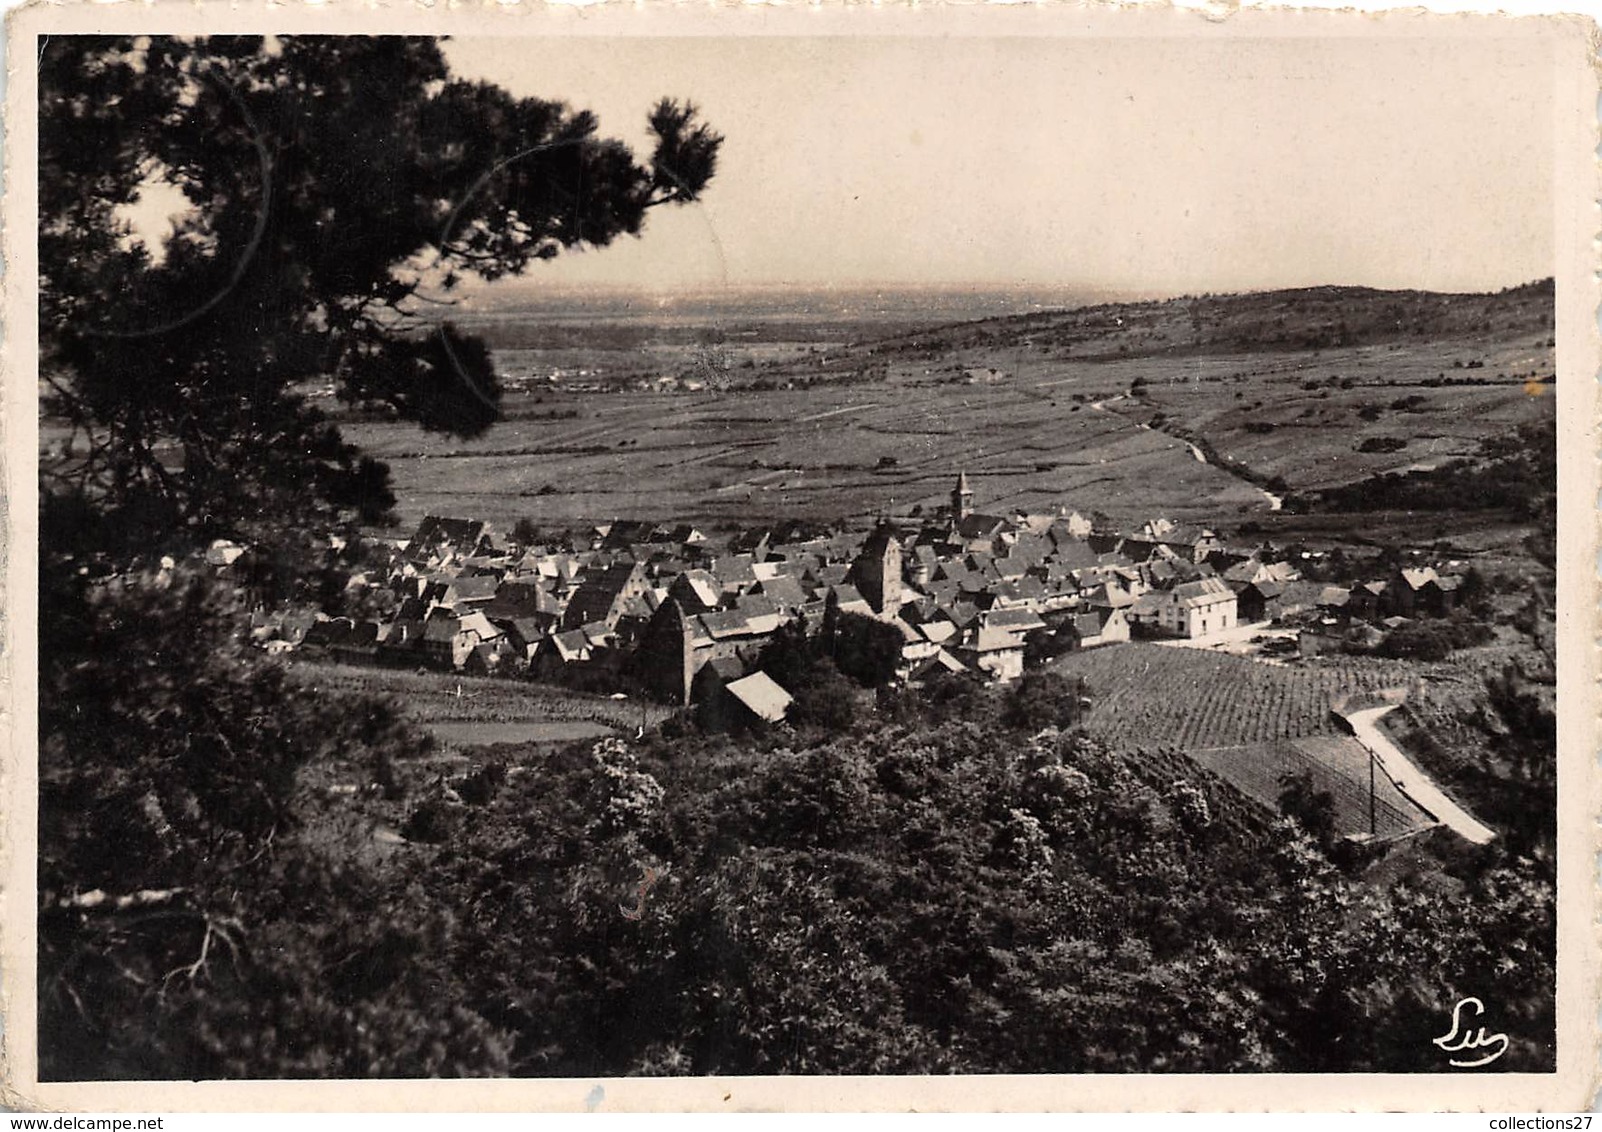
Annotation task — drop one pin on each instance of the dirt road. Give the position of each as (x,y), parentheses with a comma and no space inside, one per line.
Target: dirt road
(1412,781)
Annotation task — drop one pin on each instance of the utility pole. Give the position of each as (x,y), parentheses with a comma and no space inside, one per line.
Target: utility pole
(1372,758)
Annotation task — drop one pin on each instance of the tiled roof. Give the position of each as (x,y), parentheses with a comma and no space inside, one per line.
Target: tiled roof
(990,639)
(1204,591)
(762,695)
(1015,620)
(705,588)
(784,592)
(729,623)
(849,598)
(478,587)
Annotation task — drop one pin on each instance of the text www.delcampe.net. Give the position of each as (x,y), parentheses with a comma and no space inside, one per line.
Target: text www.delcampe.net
(85,1123)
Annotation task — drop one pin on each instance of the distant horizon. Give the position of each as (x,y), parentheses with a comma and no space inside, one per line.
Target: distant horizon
(524,287)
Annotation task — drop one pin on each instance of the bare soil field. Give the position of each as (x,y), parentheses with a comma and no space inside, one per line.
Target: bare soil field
(1092,409)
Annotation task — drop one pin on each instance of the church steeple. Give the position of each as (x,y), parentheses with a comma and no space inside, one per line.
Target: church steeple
(961,498)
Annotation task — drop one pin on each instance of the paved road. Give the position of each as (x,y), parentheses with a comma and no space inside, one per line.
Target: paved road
(1412,781)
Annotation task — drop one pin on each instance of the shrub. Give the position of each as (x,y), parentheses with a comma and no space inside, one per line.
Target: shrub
(1045,699)
(1416,642)
(1382,444)
(866,649)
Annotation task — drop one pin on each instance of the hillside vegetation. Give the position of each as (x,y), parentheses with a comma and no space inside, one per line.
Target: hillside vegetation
(950,887)
(1312,318)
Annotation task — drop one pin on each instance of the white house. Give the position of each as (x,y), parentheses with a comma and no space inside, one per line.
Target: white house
(1196,609)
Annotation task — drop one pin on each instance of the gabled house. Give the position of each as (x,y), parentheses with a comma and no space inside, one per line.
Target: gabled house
(1197,609)
(785,592)
(1366,600)
(360,645)
(743,704)
(625,533)
(1405,592)
(734,572)
(686,534)
(1333,600)
(437,538)
(1015,620)
(524,598)
(1259,601)
(754,542)
(558,652)
(1193,544)
(1421,592)
(997,652)
(697,591)
(983,533)
(605,595)
(1094,627)
(941,663)
(676,644)
(762,617)
(848,600)
(473,590)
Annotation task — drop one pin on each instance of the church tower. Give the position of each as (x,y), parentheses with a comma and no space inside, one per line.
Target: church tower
(961,498)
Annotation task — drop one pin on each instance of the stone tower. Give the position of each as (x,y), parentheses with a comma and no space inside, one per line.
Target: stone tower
(877,572)
(666,655)
(961,498)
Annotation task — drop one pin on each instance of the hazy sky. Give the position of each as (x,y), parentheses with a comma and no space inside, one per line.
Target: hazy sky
(1160,165)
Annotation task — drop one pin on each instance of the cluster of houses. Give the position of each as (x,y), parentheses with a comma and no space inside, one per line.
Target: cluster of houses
(669,610)
(1363,613)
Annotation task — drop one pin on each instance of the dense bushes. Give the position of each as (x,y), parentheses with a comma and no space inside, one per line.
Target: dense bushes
(1434,640)
(1517,471)
(197,916)
(957,884)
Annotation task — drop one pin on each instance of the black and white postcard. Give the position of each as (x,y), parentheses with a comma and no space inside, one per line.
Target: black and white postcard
(758,557)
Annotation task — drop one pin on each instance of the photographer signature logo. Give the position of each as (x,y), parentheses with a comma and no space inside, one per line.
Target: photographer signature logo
(638,911)
(1461,1039)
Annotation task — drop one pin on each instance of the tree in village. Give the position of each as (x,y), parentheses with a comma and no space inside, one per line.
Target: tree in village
(337,189)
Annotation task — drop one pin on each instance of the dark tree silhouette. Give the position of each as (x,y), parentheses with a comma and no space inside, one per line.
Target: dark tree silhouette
(336,187)
(189,925)
(866,649)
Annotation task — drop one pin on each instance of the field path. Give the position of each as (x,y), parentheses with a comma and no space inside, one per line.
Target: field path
(1412,781)
(1275,502)
(852,408)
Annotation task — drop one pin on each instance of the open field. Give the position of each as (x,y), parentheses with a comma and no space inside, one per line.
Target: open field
(468,712)
(1057,409)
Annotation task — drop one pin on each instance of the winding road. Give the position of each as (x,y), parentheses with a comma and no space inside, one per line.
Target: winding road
(1412,781)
